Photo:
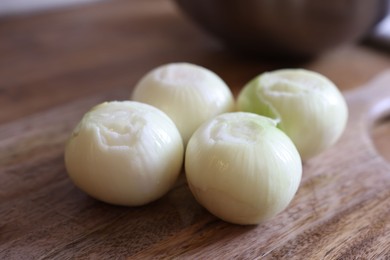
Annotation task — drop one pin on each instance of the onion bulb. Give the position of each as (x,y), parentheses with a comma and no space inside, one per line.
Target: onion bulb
(308,107)
(242,168)
(124,153)
(187,93)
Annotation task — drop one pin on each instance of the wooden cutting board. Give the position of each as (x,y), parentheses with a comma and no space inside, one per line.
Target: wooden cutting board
(341,211)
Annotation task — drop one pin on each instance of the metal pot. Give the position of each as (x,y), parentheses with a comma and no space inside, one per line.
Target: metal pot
(285,27)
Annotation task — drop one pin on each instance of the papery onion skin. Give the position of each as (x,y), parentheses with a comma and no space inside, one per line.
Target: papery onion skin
(124,153)
(242,168)
(188,93)
(308,106)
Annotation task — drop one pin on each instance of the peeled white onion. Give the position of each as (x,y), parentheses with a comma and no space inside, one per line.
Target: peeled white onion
(242,168)
(187,93)
(124,153)
(309,108)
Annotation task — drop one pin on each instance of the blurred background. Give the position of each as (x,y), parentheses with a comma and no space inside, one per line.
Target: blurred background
(10,7)
(208,12)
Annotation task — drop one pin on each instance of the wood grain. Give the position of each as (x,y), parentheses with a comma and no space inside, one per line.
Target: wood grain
(55,66)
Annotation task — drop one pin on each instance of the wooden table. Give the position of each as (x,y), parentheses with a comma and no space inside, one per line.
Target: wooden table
(54,66)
